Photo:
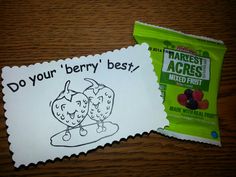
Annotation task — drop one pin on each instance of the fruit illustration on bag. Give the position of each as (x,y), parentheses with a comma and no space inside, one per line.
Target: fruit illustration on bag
(70,108)
(101,100)
(193,99)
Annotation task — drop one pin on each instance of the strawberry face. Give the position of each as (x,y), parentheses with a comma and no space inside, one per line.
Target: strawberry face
(70,107)
(101,99)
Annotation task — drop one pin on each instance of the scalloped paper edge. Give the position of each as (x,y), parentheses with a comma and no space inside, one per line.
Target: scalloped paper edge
(164,123)
(85,153)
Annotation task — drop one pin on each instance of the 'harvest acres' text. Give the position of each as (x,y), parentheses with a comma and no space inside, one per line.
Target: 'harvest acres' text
(185,69)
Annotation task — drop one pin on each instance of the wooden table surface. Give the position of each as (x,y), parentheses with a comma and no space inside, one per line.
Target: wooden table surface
(37,31)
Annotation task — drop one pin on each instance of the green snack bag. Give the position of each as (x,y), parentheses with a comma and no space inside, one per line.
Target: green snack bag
(188,69)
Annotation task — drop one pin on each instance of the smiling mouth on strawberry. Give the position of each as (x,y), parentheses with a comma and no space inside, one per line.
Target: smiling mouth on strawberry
(72,115)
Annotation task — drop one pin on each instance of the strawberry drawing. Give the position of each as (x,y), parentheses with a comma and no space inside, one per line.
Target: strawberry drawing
(101,100)
(70,108)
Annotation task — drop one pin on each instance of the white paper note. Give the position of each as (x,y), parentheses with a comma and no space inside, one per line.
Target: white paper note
(59,108)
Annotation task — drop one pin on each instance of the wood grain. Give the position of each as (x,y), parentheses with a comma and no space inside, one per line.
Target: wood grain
(37,31)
